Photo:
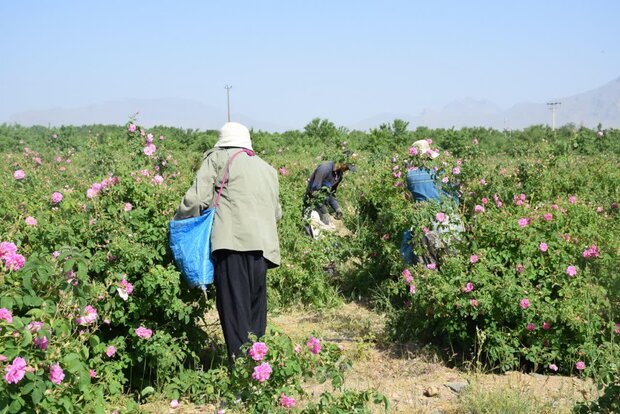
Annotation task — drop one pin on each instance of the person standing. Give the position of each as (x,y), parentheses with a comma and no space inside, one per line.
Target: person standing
(244,239)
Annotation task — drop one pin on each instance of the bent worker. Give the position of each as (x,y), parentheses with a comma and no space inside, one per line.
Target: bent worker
(322,186)
(244,240)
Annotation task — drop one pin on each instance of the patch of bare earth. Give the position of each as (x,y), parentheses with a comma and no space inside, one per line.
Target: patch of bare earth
(413,380)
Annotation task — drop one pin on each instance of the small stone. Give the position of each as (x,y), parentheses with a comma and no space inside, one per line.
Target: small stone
(457,387)
(431,392)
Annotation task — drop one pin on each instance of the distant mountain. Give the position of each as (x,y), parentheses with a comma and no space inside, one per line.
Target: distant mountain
(601,105)
(184,113)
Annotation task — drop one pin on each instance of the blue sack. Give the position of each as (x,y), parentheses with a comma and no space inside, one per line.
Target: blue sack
(190,242)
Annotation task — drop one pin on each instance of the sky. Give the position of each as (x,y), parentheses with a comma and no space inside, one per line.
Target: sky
(291,61)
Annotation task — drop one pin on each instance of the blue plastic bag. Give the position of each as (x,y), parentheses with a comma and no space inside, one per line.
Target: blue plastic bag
(190,242)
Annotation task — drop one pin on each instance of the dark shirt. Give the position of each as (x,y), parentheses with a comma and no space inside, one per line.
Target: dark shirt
(324,176)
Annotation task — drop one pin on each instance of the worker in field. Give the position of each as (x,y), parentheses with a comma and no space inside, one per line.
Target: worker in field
(431,181)
(244,240)
(322,186)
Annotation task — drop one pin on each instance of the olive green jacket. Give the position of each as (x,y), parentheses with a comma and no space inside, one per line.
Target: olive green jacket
(246,215)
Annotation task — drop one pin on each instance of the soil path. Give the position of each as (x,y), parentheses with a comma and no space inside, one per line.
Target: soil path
(407,375)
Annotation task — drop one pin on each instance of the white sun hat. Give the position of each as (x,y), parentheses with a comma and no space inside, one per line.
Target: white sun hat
(233,134)
(425,149)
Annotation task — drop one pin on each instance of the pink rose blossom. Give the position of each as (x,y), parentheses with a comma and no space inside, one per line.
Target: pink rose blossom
(406,273)
(483,182)
(413,151)
(554,207)
(110,351)
(283,171)
(15,371)
(440,217)
(174,404)
(430,141)
(468,287)
(41,342)
(580,365)
(56,197)
(92,373)
(2,358)
(412,289)
(524,303)
(485,200)
(258,351)
(131,128)
(314,345)
(7,249)
(287,402)
(143,332)
(571,271)
(543,247)
(524,221)
(431,266)
(617,330)
(553,367)
(5,314)
(473,258)
(127,207)
(445,180)
(520,268)
(530,327)
(456,171)
(55,254)
(262,372)
(572,199)
(591,251)
(31,221)
(56,374)
(479,208)
(546,326)
(426,230)
(19,174)
(297,348)
(474,303)
(150,149)
(158,179)
(548,216)
(89,317)
(14,262)
(149,138)
(35,326)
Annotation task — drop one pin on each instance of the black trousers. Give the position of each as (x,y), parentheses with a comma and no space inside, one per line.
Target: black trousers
(241,296)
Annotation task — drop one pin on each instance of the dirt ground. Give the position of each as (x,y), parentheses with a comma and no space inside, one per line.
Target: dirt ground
(412,379)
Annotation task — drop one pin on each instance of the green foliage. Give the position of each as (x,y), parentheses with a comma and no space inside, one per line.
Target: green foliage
(84,250)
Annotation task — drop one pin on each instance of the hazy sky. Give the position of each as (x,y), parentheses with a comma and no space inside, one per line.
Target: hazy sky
(290,61)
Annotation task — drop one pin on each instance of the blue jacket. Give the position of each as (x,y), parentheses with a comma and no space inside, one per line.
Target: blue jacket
(324,176)
(424,186)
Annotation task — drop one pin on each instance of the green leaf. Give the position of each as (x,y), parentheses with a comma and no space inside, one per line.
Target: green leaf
(36,396)
(147,391)
(27,339)
(26,389)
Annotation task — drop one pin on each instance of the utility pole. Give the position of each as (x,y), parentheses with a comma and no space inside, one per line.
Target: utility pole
(228,88)
(553,106)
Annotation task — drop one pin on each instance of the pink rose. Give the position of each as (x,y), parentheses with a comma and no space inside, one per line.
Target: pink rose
(314,345)
(19,174)
(110,351)
(571,271)
(5,314)
(258,351)
(479,208)
(262,372)
(524,221)
(580,365)
(56,374)
(287,402)
(543,247)
(468,287)
(531,327)
(473,258)
(524,303)
(143,332)
(440,217)
(15,371)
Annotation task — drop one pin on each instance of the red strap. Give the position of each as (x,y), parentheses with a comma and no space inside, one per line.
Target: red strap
(219,193)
